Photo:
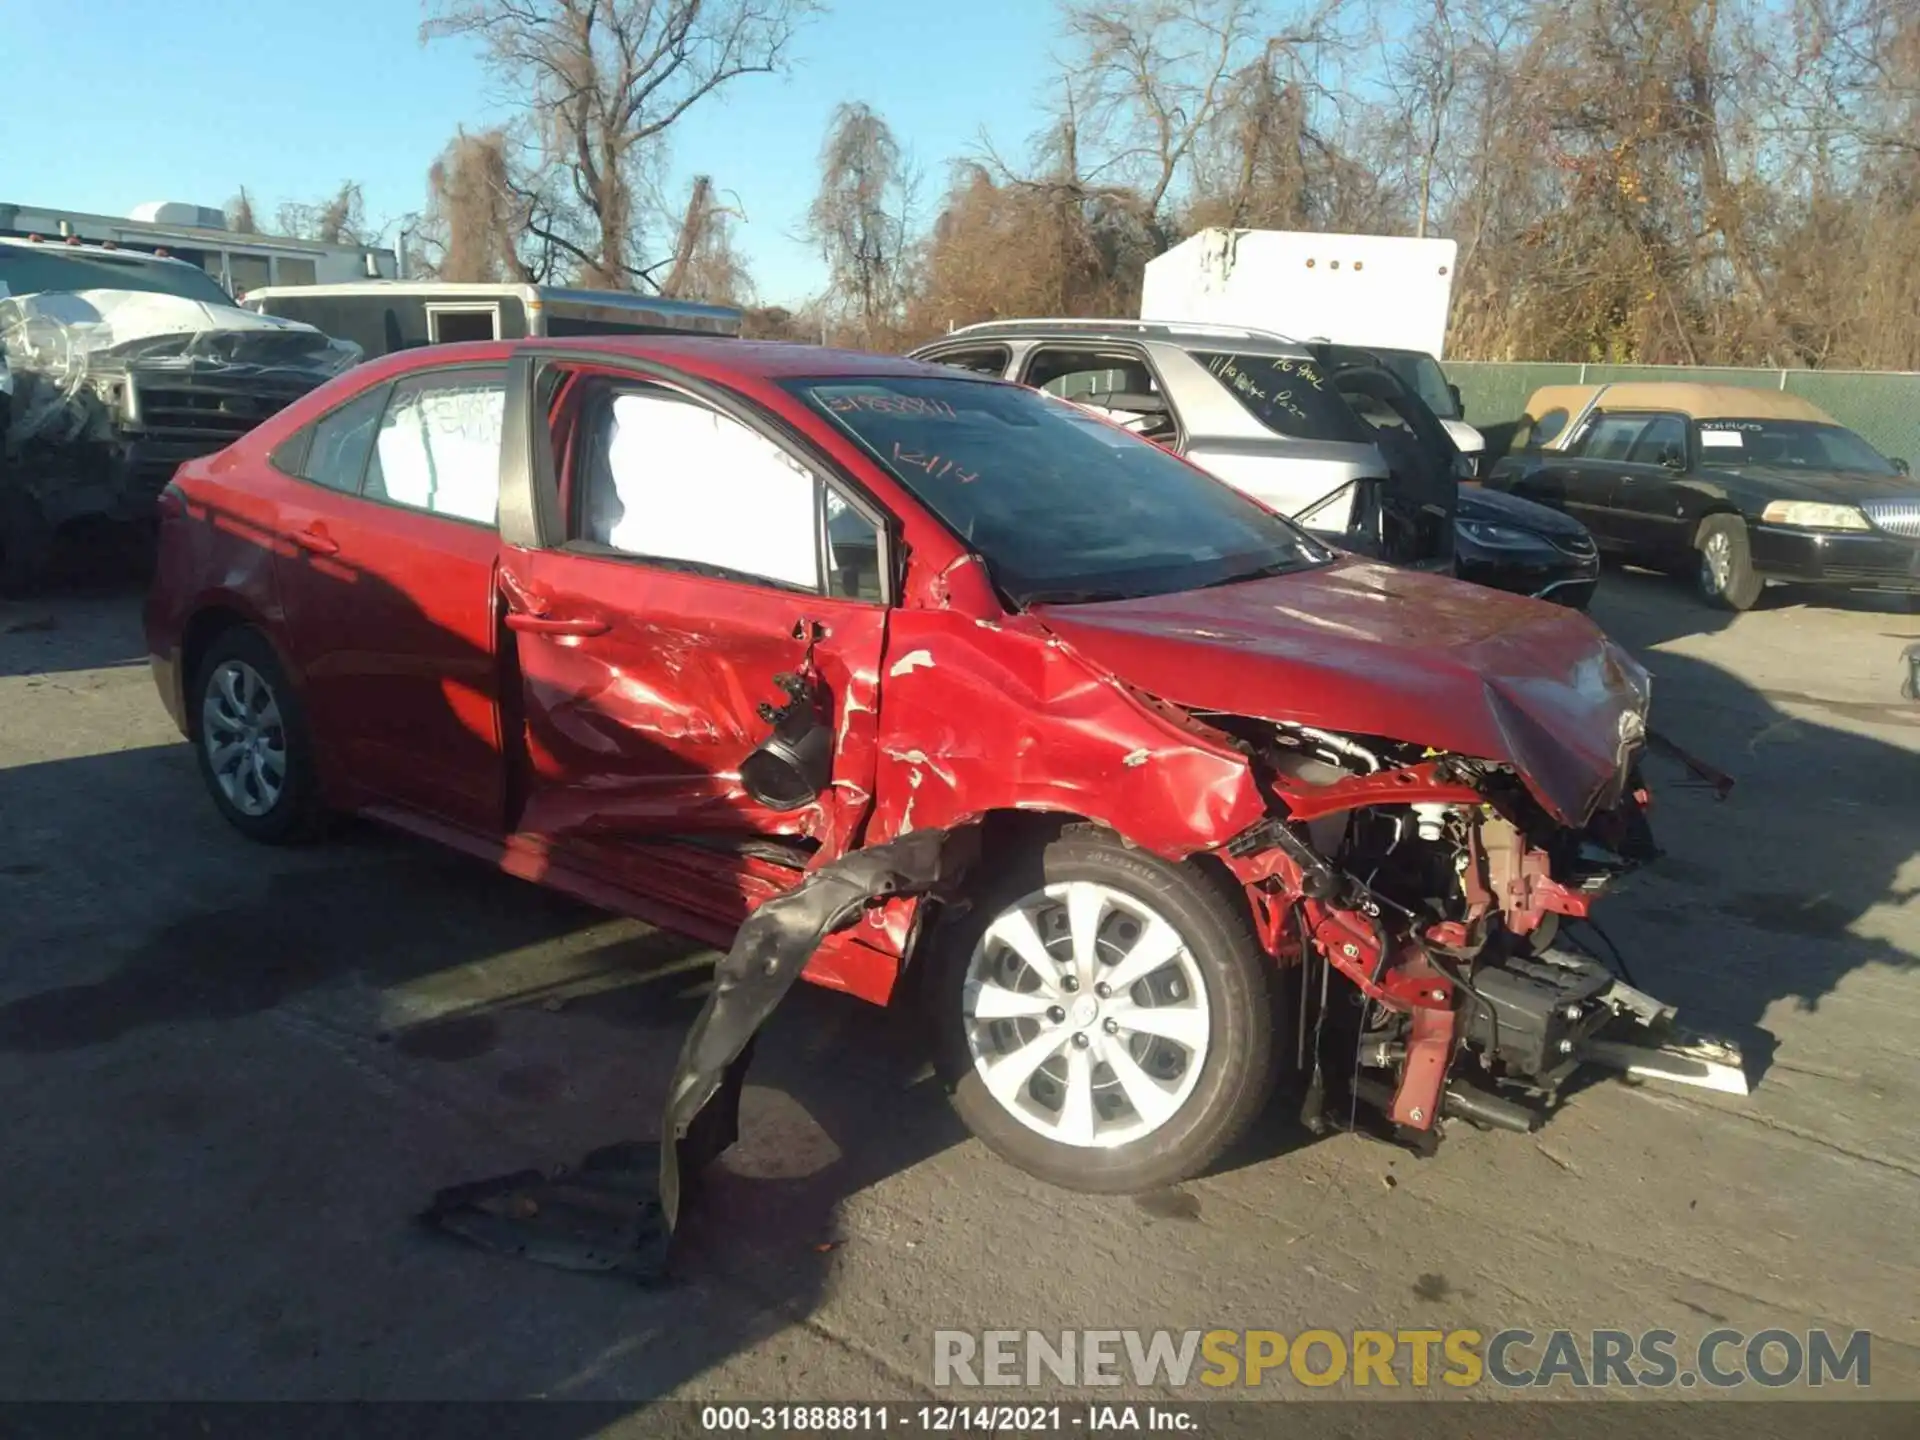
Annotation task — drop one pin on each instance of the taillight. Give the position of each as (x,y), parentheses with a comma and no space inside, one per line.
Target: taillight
(171,504)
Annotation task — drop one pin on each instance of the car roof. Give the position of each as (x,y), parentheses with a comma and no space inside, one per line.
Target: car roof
(1700,401)
(1242,338)
(708,354)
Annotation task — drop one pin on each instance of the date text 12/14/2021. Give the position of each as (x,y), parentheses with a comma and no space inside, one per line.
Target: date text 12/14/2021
(940,1419)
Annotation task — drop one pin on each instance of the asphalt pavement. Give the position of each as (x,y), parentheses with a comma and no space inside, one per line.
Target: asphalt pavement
(232,1075)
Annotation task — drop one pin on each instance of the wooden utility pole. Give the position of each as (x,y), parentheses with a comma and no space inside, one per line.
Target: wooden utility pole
(693,229)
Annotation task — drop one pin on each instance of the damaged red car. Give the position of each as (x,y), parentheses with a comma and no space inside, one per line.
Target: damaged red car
(670,624)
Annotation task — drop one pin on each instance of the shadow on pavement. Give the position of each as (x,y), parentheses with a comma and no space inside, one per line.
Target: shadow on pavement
(1815,835)
(568,1049)
(315,939)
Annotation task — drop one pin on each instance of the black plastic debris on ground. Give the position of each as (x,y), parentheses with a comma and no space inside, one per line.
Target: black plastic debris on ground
(603,1216)
(618,1210)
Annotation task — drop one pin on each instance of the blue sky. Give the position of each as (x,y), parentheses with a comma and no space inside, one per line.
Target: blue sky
(115,102)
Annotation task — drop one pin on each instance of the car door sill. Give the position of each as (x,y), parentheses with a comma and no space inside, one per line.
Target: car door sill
(860,961)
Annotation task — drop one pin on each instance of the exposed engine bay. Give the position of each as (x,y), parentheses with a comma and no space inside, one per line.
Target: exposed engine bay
(1429,905)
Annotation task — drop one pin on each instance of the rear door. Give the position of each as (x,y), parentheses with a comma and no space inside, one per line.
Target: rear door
(1644,501)
(388,588)
(696,553)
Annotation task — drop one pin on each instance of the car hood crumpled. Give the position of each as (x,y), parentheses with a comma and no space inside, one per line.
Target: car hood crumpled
(1371,650)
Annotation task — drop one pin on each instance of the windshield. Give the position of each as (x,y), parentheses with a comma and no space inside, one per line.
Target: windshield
(1422,375)
(38,270)
(1061,506)
(1290,396)
(1794,444)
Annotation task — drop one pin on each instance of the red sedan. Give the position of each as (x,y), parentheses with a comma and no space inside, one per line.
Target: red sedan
(665,623)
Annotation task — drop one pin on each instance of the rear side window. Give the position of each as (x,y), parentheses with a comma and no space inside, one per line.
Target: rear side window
(1291,397)
(989,361)
(337,453)
(438,446)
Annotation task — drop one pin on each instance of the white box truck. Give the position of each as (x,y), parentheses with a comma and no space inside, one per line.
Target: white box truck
(1386,293)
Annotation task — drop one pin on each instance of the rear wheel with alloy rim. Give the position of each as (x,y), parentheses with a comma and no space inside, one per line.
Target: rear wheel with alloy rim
(1104,1016)
(253,748)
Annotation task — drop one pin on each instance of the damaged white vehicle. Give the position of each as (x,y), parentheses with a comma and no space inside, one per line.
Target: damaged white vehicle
(123,365)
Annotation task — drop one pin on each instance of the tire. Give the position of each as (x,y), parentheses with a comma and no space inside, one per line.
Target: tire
(1724,574)
(1216,978)
(241,692)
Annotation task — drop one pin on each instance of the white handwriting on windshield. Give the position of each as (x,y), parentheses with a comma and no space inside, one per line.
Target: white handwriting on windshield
(915,405)
(937,466)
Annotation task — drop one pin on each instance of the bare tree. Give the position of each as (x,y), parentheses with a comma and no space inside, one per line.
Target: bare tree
(1151,81)
(860,219)
(706,265)
(240,217)
(340,219)
(1695,181)
(603,82)
(475,227)
(1428,79)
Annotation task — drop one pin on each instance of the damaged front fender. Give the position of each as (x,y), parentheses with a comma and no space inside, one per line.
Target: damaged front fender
(980,716)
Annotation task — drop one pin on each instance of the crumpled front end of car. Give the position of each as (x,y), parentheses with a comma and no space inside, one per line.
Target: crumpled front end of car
(1429,905)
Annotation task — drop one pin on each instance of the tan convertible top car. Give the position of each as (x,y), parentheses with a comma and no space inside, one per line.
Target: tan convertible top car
(1737,487)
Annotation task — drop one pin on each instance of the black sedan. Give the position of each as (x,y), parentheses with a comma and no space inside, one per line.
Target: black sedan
(1512,544)
(1735,488)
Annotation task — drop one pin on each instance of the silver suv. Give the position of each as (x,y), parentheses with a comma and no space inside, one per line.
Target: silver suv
(1255,409)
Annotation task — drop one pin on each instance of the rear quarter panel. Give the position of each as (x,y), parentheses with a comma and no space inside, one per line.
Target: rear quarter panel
(217,555)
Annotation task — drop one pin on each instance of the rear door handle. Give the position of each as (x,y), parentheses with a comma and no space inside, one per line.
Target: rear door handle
(557,625)
(316,539)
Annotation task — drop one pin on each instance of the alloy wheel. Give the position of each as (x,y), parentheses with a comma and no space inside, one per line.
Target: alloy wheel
(1086,1015)
(1716,563)
(245,738)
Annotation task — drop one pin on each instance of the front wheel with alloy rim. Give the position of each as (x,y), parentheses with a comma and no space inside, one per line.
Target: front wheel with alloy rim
(254,753)
(1104,1017)
(1725,573)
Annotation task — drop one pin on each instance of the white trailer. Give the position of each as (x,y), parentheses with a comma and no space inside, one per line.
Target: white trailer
(1384,291)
